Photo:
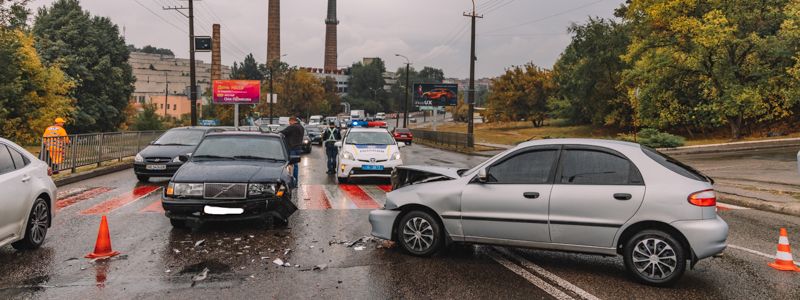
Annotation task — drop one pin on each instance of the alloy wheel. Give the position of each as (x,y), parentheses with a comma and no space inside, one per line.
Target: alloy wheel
(418,234)
(654,258)
(39,219)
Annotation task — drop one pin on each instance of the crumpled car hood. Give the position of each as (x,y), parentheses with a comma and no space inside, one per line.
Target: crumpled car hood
(410,175)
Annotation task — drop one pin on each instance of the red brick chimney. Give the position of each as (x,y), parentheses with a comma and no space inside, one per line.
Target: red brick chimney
(216,56)
(274,31)
(330,37)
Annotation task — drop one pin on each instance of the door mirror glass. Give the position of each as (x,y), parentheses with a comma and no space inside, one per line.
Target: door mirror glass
(482,177)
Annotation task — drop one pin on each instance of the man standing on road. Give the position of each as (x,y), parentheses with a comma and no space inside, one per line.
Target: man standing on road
(330,136)
(54,140)
(294,141)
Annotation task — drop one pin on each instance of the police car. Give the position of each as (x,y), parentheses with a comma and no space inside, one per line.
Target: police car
(367,153)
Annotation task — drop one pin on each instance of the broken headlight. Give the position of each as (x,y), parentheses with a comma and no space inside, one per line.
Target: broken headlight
(261,189)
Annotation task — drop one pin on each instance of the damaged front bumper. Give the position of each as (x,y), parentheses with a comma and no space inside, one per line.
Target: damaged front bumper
(382,221)
(253,209)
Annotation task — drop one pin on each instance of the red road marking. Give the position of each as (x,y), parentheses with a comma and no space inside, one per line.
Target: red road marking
(360,198)
(122,200)
(83,195)
(385,187)
(155,207)
(317,199)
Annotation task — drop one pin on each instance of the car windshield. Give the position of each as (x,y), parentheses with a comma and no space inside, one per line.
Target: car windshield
(370,138)
(240,148)
(180,137)
(312,129)
(402,130)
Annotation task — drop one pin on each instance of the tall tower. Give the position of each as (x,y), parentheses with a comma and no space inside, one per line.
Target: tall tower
(330,37)
(274,31)
(216,56)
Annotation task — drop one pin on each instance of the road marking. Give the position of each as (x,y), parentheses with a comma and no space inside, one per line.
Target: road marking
(313,197)
(538,282)
(385,187)
(80,196)
(358,197)
(154,207)
(120,201)
(546,274)
(751,251)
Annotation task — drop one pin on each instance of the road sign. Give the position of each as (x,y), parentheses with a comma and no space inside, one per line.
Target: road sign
(237,91)
(210,122)
(436,94)
(202,43)
(431,108)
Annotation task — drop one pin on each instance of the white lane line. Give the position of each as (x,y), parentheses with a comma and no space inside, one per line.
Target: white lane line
(751,251)
(546,274)
(538,282)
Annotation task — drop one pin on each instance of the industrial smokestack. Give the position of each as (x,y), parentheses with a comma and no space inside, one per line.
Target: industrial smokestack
(330,37)
(274,31)
(216,56)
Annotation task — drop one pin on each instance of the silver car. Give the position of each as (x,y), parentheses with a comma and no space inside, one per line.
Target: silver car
(27,197)
(580,195)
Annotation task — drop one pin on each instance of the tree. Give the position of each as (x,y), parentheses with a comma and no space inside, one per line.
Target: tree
(148,119)
(32,95)
(365,90)
(91,51)
(521,93)
(331,97)
(301,94)
(720,62)
(248,69)
(430,75)
(151,50)
(14,14)
(588,74)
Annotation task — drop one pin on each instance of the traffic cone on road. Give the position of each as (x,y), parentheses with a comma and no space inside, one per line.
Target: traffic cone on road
(102,248)
(783,259)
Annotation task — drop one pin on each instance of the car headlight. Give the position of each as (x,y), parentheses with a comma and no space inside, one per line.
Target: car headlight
(395,156)
(185,189)
(138,158)
(305,141)
(261,189)
(348,156)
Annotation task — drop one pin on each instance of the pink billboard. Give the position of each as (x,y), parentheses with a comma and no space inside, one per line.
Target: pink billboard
(237,91)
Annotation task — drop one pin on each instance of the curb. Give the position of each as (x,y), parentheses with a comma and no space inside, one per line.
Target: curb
(734,146)
(92,174)
(792,209)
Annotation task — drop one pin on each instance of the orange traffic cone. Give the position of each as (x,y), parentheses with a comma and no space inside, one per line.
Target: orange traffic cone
(783,259)
(102,248)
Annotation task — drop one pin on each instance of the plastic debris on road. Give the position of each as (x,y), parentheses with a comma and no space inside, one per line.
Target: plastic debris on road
(199,243)
(278,261)
(200,277)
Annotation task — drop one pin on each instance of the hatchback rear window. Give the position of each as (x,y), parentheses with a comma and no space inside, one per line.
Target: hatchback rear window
(675,165)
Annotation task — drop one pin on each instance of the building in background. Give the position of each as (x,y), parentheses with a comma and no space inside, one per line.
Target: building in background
(342,77)
(174,105)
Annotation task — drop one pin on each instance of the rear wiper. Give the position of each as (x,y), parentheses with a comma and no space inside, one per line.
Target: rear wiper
(213,157)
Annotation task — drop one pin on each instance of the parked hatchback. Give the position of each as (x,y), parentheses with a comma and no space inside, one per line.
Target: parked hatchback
(579,195)
(28,195)
(160,158)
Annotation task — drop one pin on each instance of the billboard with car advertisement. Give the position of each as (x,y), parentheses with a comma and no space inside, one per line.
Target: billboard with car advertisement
(237,91)
(435,94)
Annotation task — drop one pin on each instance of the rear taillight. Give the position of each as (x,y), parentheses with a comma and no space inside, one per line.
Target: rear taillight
(703,198)
(396,135)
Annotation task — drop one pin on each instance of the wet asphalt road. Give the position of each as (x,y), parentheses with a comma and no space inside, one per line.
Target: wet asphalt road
(158,261)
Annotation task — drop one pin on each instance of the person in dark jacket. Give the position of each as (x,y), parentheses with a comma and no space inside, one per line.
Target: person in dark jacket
(330,137)
(293,134)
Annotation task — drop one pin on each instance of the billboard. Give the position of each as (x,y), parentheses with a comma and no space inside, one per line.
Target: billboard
(435,94)
(237,91)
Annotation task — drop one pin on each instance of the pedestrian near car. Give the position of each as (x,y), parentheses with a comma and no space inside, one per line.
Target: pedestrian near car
(54,140)
(330,137)
(294,141)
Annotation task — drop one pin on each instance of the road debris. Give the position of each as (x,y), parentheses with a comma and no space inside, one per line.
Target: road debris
(278,261)
(199,243)
(286,252)
(176,251)
(359,248)
(200,277)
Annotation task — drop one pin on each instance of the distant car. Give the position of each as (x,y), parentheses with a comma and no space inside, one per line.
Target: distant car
(367,152)
(160,158)
(306,142)
(442,95)
(380,116)
(580,195)
(315,134)
(250,128)
(412,120)
(315,120)
(232,176)
(403,135)
(28,197)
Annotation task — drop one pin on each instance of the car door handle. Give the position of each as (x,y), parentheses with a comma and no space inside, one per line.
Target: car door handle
(622,196)
(26,178)
(531,195)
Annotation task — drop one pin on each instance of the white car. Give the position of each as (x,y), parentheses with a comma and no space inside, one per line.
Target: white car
(367,153)
(380,116)
(27,198)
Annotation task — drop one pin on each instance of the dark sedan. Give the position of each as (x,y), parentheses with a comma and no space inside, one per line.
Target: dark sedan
(232,176)
(315,134)
(160,158)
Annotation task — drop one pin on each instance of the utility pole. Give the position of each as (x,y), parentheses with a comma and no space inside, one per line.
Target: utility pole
(471,92)
(271,91)
(166,94)
(405,103)
(192,70)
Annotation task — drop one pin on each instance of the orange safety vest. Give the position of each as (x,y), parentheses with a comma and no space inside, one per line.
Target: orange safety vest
(55,138)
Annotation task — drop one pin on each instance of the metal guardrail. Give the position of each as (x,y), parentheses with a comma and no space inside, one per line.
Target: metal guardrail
(439,138)
(74,151)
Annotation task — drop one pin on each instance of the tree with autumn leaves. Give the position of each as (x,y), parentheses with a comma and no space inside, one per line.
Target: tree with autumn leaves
(521,93)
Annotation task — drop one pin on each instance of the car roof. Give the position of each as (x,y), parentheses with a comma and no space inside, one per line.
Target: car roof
(363,129)
(244,133)
(588,142)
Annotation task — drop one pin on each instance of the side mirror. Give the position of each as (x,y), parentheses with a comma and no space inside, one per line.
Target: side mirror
(294,159)
(183,158)
(338,144)
(482,176)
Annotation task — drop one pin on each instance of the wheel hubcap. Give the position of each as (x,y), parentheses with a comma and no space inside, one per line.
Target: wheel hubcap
(654,258)
(39,220)
(418,234)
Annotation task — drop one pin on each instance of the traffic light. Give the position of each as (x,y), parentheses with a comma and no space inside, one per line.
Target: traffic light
(202,43)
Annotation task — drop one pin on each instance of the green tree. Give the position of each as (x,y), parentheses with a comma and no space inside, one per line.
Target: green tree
(301,94)
(365,89)
(430,75)
(14,14)
(248,69)
(148,119)
(151,50)
(521,93)
(91,51)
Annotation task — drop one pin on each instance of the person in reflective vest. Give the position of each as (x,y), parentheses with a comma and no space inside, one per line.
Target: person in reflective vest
(329,137)
(55,140)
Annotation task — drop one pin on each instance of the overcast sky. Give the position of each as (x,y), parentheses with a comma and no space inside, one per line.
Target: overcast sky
(430,32)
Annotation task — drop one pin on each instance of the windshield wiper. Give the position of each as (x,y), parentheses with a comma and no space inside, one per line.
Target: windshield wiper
(256,158)
(172,144)
(213,157)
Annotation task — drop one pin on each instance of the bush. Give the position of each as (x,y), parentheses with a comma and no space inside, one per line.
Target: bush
(655,139)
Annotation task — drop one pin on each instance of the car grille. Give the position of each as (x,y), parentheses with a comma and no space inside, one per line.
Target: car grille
(158,159)
(359,171)
(376,161)
(225,191)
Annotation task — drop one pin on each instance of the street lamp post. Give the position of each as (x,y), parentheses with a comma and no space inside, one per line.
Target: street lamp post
(405,103)
(271,65)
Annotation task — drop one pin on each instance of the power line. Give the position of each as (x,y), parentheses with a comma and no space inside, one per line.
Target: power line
(498,7)
(160,17)
(545,18)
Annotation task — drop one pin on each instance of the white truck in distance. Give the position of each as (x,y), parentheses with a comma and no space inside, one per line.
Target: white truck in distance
(358,114)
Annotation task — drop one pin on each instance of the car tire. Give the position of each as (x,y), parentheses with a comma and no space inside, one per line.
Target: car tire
(35,227)
(342,180)
(180,224)
(420,234)
(143,178)
(655,258)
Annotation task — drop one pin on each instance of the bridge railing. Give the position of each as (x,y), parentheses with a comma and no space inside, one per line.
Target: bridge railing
(456,140)
(79,150)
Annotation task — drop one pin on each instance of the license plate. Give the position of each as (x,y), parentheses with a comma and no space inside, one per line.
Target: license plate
(214,210)
(372,168)
(404,135)
(156,167)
